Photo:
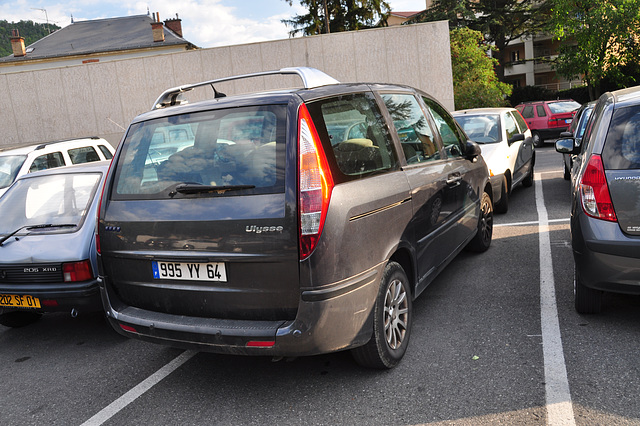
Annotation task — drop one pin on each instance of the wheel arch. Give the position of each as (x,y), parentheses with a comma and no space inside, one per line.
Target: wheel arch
(404,257)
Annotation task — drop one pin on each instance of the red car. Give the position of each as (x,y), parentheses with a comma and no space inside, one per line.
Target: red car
(547,119)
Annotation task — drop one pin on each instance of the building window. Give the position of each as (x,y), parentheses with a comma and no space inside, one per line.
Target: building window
(515,56)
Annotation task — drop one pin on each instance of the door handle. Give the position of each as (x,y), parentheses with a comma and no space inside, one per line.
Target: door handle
(454,180)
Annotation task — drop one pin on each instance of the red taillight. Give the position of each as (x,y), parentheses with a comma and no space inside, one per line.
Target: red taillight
(594,191)
(77,271)
(314,183)
(128,328)
(261,344)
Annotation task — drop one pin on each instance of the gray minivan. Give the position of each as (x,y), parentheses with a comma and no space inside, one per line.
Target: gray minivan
(290,223)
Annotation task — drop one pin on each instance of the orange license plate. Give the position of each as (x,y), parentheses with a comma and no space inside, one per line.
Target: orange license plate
(19,301)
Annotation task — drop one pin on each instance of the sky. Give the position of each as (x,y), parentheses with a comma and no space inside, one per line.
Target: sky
(205,23)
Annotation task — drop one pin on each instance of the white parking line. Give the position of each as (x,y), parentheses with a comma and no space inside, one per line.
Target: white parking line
(126,399)
(558,396)
(532,222)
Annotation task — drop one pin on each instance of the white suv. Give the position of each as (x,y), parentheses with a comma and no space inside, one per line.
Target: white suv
(16,162)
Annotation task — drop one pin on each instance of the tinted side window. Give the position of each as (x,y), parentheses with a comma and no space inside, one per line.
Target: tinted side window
(47,161)
(451,138)
(622,146)
(85,154)
(527,112)
(414,132)
(105,151)
(540,111)
(510,126)
(358,135)
(521,123)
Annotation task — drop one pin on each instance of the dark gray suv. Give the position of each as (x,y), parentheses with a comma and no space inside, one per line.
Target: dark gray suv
(287,223)
(605,218)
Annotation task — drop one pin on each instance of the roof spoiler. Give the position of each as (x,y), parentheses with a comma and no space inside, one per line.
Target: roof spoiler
(310,77)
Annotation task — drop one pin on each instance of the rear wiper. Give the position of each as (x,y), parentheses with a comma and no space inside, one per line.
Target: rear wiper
(197,188)
(30,227)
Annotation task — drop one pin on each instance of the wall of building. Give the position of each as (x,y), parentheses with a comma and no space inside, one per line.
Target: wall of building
(102,98)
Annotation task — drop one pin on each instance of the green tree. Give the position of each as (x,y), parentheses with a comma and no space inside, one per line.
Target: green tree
(341,15)
(599,38)
(30,31)
(475,83)
(500,21)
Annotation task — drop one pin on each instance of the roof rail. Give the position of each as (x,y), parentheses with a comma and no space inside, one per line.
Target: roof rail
(311,77)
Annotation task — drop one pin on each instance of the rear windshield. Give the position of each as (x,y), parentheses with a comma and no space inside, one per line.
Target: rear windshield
(237,151)
(53,200)
(9,167)
(481,128)
(563,106)
(622,147)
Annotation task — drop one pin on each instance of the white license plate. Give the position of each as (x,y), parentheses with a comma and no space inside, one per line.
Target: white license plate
(189,271)
(568,120)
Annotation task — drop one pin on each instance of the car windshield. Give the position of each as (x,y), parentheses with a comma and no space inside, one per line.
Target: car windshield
(236,149)
(59,199)
(9,167)
(563,106)
(481,128)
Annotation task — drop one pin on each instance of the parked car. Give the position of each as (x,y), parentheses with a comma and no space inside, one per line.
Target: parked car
(47,243)
(576,131)
(547,119)
(299,222)
(18,161)
(507,147)
(605,219)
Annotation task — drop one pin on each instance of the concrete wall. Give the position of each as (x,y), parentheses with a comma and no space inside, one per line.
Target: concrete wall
(102,98)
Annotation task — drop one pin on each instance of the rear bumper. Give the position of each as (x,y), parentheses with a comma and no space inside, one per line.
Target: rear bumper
(84,296)
(606,259)
(336,317)
(550,133)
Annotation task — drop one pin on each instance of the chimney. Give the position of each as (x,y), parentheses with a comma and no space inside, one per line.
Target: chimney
(174,25)
(17,44)
(157,28)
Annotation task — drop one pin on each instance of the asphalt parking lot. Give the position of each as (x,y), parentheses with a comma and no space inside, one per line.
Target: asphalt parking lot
(495,341)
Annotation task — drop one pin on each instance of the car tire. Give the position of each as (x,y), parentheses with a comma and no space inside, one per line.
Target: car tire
(527,182)
(587,300)
(392,316)
(17,319)
(482,240)
(538,142)
(503,205)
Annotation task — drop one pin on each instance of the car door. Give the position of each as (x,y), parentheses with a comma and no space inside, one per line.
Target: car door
(520,152)
(460,173)
(433,198)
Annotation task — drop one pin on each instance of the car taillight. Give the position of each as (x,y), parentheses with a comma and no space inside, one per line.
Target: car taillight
(77,271)
(315,183)
(594,191)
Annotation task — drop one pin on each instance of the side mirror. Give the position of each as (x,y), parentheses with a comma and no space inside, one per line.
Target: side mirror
(472,150)
(567,146)
(515,138)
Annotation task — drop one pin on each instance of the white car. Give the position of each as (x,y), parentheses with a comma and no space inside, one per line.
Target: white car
(15,162)
(507,148)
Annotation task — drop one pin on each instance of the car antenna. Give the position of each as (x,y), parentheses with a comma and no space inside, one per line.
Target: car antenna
(217,94)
